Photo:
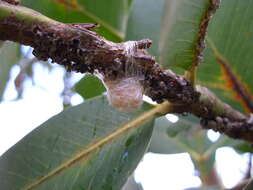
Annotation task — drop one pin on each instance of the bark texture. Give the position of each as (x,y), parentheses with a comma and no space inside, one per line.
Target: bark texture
(79,49)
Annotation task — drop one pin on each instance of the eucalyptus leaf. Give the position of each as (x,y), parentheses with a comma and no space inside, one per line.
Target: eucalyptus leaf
(89,146)
(180,31)
(111,15)
(145,22)
(228,59)
(89,87)
(184,136)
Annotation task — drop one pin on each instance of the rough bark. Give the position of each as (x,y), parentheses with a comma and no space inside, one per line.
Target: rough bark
(79,49)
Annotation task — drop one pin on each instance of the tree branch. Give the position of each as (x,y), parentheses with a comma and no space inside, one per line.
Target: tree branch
(13,2)
(79,49)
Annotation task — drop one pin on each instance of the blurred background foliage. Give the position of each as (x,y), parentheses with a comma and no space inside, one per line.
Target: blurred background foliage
(173,26)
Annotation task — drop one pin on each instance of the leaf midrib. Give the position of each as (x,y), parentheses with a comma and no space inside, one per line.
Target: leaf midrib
(243,92)
(94,146)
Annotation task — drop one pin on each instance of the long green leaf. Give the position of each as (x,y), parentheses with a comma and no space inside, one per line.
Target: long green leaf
(181,32)
(227,68)
(145,22)
(90,146)
(111,15)
(174,26)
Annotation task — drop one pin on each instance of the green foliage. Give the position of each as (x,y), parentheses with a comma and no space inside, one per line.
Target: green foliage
(89,87)
(229,35)
(145,22)
(160,141)
(174,27)
(243,147)
(77,149)
(111,15)
(69,142)
(184,136)
(180,30)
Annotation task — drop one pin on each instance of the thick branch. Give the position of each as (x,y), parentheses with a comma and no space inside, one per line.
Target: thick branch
(13,2)
(79,49)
